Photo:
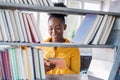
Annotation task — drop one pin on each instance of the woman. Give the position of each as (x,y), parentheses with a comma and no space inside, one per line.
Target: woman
(68,59)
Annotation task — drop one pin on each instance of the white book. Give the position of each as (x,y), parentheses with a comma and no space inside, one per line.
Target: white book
(41,2)
(20,31)
(36,63)
(25,63)
(12,67)
(23,27)
(5,26)
(12,1)
(38,3)
(20,64)
(25,2)
(17,1)
(32,29)
(92,30)
(1,35)
(12,18)
(36,27)
(8,1)
(9,25)
(102,62)
(45,3)
(3,0)
(107,30)
(34,2)
(29,2)
(20,1)
(42,67)
(100,31)
(2,27)
(27,27)
(30,59)
(50,3)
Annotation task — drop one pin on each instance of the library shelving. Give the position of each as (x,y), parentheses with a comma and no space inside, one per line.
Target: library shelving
(112,42)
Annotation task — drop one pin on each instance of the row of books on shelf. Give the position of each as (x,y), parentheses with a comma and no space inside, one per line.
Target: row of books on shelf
(21,63)
(94,29)
(30,2)
(17,26)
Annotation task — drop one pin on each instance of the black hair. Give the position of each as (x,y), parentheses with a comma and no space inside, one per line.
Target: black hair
(61,16)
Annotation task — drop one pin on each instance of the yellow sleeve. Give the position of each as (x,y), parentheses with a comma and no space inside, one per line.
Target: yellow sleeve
(75,63)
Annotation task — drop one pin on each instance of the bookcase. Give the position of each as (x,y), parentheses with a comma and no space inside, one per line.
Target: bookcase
(112,42)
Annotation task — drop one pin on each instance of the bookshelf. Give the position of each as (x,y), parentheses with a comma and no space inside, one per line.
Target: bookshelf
(114,43)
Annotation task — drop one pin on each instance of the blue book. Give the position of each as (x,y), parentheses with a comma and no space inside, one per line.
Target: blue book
(84,28)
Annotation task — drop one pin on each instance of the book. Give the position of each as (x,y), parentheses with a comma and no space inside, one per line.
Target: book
(36,27)
(16,1)
(30,62)
(41,63)
(45,2)
(2,27)
(107,30)
(2,75)
(19,59)
(25,61)
(84,28)
(15,63)
(50,3)
(93,30)
(25,2)
(23,27)
(20,1)
(36,63)
(12,67)
(9,25)
(7,64)
(12,18)
(102,62)
(41,2)
(33,32)
(1,35)
(27,27)
(19,28)
(100,30)
(29,2)
(34,2)
(5,26)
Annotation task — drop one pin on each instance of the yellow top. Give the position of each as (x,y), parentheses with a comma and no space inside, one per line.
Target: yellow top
(70,55)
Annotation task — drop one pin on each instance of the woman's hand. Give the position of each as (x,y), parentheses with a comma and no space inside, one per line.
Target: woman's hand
(48,66)
(60,63)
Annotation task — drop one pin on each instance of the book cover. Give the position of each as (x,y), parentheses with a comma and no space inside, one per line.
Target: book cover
(5,26)
(34,34)
(36,27)
(19,28)
(19,59)
(93,30)
(2,27)
(12,18)
(23,27)
(109,25)
(84,28)
(41,63)
(100,30)
(104,57)
(36,63)
(27,27)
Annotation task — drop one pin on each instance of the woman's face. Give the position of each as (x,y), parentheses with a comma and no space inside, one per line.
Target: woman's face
(56,29)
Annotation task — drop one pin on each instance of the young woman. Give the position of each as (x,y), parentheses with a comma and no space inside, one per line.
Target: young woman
(67,59)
